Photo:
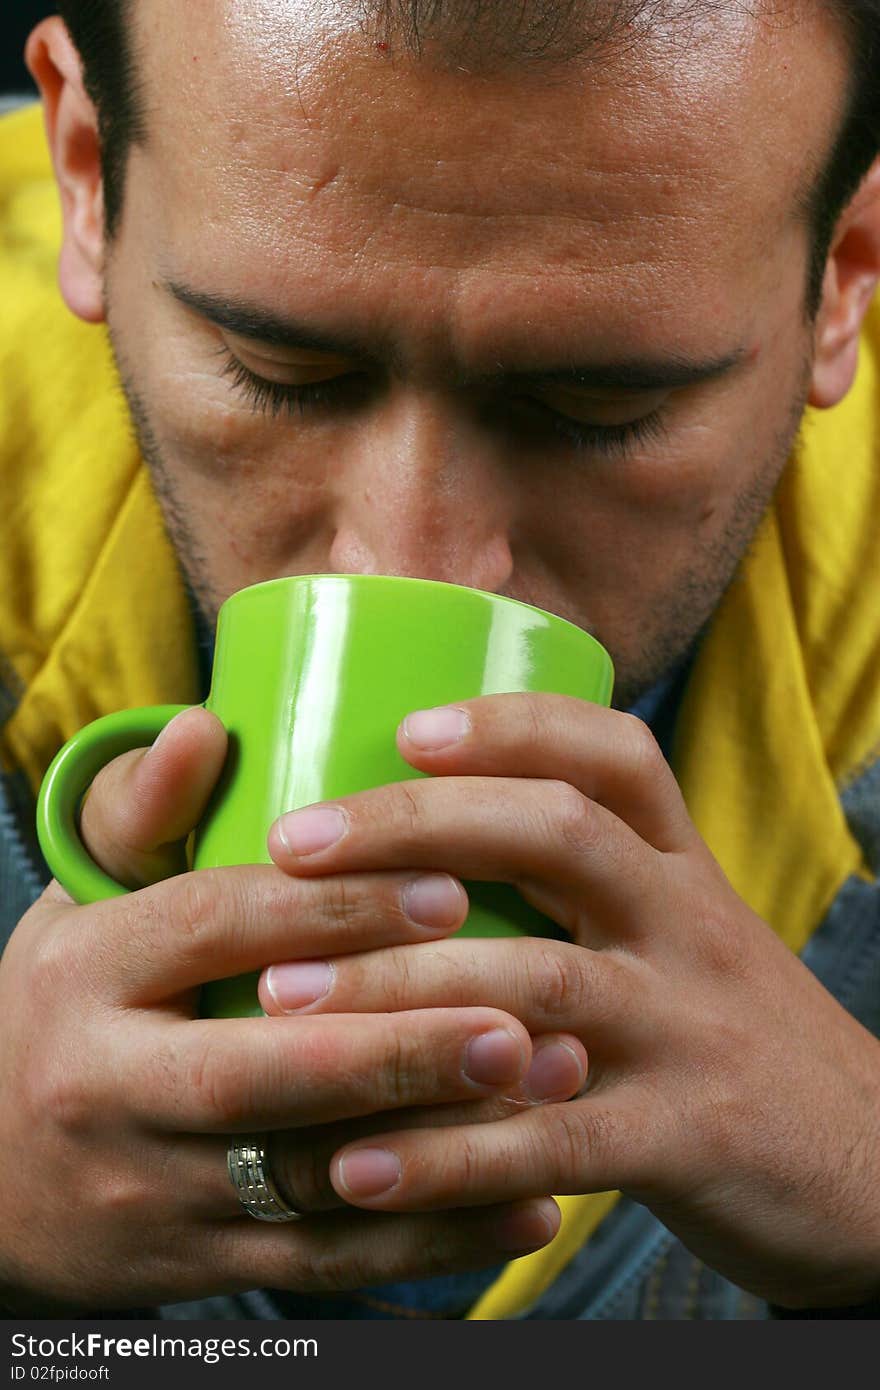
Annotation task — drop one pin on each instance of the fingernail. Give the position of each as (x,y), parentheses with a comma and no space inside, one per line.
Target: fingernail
(556,1070)
(529,1227)
(172,724)
(310,831)
(432,729)
(369,1172)
(494,1059)
(295,985)
(435,901)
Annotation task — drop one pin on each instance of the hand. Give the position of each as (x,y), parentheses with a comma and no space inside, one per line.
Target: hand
(728,1091)
(117,1101)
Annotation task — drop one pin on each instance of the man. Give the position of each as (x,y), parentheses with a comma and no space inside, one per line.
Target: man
(533,303)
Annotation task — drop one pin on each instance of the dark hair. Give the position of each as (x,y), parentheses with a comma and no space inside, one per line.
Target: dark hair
(535,28)
(858,139)
(100,30)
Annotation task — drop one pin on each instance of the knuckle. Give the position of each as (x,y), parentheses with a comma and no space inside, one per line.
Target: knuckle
(195,905)
(405,979)
(60,1094)
(398,1070)
(717,943)
(356,908)
(123,1196)
(351,905)
(439,1242)
(343,904)
(325,1267)
(409,807)
(645,753)
(167,1077)
(534,719)
(615,985)
(557,983)
(109,816)
(577,1135)
(323,1271)
(716,950)
(217,1094)
(50,967)
(574,819)
(465,1169)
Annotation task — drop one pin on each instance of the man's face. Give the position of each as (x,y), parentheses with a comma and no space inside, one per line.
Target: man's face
(538,331)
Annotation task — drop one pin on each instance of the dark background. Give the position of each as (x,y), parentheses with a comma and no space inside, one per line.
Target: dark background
(17,18)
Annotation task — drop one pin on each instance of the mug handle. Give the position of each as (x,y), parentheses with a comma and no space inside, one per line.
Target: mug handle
(66,783)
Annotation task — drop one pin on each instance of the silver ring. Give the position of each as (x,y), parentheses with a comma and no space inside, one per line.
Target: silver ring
(251,1176)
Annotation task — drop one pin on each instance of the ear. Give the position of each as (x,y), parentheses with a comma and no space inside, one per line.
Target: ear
(851,277)
(72,130)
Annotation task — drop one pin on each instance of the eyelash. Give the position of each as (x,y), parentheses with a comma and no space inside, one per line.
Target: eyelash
(614,441)
(274,398)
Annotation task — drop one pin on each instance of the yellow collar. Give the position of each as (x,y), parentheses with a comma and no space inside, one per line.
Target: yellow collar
(93,616)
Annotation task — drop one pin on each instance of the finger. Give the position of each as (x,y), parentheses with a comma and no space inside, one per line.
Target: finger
(549,986)
(350,1250)
(570,857)
(610,757)
(216,923)
(331,1253)
(598,1143)
(240,1075)
(300,1159)
(55,896)
(143,805)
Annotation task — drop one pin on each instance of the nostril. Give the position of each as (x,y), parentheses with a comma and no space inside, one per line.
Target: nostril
(420,501)
(350,555)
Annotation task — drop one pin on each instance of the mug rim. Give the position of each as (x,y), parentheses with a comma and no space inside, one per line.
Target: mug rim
(412,581)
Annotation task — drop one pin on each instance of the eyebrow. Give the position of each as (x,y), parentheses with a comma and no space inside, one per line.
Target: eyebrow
(640,374)
(249,321)
(670,372)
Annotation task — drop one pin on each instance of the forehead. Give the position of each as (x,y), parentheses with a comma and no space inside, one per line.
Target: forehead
(286,143)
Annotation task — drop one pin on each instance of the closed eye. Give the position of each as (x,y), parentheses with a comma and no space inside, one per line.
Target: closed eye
(327,387)
(333,387)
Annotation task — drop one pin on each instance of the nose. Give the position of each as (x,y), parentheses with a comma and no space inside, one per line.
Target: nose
(421,492)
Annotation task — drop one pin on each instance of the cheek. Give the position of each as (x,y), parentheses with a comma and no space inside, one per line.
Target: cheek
(620,508)
(625,535)
(234,447)
(202,420)
(250,488)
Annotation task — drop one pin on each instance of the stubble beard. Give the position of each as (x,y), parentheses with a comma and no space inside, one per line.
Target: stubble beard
(689,609)
(192,559)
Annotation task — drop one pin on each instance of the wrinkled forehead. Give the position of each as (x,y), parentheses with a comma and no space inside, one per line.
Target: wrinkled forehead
(738,88)
(276,127)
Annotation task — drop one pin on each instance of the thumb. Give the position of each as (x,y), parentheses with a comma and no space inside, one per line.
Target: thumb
(142,806)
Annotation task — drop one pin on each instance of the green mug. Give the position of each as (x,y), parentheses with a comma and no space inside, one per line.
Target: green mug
(312,676)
